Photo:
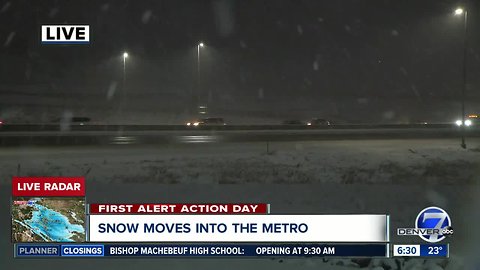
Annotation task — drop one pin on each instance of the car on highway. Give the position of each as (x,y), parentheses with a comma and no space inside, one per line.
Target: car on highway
(318,122)
(471,119)
(73,121)
(209,121)
(293,122)
(80,121)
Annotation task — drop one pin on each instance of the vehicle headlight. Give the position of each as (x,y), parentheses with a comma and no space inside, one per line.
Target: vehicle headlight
(468,122)
(458,122)
(196,124)
(188,124)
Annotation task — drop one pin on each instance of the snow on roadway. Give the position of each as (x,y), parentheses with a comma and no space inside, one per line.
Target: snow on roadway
(390,176)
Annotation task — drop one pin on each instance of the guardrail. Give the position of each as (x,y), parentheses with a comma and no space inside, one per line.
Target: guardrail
(56,127)
(128,135)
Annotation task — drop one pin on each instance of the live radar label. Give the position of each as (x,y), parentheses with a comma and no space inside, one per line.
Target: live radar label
(65,34)
(48,186)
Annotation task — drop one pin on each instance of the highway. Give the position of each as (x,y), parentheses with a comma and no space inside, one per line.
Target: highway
(48,135)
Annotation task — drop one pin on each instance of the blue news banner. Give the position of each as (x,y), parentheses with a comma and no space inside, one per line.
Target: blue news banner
(201,250)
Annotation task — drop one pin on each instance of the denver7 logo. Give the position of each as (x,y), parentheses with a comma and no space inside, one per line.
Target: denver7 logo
(437,220)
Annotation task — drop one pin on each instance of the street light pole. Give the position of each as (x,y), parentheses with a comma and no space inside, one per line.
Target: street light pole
(125,55)
(198,73)
(198,63)
(460,11)
(464,89)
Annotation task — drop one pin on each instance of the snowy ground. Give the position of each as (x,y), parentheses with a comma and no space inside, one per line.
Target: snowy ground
(347,162)
(390,176)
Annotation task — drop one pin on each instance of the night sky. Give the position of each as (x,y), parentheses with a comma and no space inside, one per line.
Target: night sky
(273,51)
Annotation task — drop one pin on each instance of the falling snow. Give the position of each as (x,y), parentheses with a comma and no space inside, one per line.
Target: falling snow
(111,90)
(299,29)
(243,45)
(53,12)
(147,15)
(9,39)
(105,7)
(388,115)
(5,7)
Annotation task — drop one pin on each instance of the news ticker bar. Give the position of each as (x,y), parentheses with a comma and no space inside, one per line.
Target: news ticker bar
(230,250)
(201,250)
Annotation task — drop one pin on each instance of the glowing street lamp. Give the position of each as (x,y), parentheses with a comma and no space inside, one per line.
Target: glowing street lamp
(459,11)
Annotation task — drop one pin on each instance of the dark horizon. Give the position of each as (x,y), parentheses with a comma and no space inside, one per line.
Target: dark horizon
(271,51)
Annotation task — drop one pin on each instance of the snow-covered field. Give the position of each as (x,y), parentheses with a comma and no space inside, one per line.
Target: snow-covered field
(346,162)
(399,177)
